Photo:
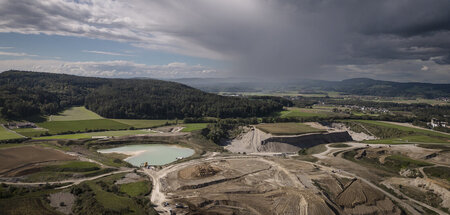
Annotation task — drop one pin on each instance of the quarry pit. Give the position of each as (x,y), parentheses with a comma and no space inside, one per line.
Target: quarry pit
(265,185)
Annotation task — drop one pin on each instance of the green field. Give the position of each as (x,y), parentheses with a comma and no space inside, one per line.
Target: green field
(339,145)
(57,127)
(398,162)
(404,128)
(413,101)
(143,123)
(75,113)
(66,170)
(9,145)
(135,188)
(408,139)
(287,128)
(31,204)
(302,112)
(364,114)
(31,132)
(438,172)
(103,194)
(6,134)
(193,127)
(392,163)
(73,166)
(398,134)
(100,133)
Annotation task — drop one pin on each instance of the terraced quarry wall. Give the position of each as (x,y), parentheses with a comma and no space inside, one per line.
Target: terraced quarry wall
(295,143)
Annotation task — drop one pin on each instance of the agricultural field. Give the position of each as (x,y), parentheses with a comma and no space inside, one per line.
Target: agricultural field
(356,113)
(92,134)
(64,170)
(287,128)
(193,127)
(285,93)
(31,132)
(6,134)
(21,156)
(143,123)
(58,127)
(409,139)
(75,113)
(73,166)
(413,101)
(303,112)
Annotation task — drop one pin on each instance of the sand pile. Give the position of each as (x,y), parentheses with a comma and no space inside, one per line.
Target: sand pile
(199,171)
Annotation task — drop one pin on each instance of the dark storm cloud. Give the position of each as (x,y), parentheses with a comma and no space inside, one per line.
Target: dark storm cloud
(404,18)
(262,38)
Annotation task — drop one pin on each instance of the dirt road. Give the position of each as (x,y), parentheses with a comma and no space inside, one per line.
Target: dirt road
(72,181)
(328,155)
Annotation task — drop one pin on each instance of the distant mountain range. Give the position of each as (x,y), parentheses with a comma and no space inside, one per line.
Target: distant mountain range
(355,86)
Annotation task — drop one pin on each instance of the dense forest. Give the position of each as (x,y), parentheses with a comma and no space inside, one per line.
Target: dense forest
(24,94)
(366,86)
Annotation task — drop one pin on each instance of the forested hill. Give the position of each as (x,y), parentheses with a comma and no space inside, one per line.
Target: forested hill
(366,86)
(356,86)
(24,94)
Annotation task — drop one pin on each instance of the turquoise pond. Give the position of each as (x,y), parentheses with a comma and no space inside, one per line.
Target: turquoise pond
(154,154)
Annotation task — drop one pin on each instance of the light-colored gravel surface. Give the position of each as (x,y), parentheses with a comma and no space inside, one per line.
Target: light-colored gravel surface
(129,178)
(63,202)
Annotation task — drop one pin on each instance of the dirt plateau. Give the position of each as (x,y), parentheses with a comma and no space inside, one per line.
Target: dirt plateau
(270,186)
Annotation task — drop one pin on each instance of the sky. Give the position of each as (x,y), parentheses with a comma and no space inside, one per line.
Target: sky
(396,40)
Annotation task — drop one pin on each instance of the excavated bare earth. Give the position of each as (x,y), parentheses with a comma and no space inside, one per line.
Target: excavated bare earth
(256,185)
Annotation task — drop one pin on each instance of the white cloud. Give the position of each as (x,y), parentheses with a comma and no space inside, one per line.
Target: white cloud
(266,38)
(6,47)
(116,69)
(148,24)
(106,53)
(17,54)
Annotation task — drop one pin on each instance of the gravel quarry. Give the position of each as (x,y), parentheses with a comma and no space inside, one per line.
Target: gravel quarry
(254,140)
(257,185)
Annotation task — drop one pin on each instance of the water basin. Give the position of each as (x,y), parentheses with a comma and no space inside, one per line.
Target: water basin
(154,154)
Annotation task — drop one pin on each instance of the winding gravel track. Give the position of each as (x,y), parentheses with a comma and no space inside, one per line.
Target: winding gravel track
(72,181)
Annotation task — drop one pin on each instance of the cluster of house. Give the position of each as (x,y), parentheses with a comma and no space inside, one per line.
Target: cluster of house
(15,125)
(437,123)
(444,99)
(367,109)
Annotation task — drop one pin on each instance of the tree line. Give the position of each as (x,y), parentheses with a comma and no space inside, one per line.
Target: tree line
(24,94)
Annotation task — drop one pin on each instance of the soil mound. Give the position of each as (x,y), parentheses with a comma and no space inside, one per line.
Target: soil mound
(357,197)
(199,171)
(358,193)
